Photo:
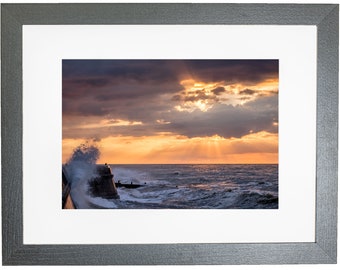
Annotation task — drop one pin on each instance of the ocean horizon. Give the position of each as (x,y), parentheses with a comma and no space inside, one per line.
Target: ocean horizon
(197,186)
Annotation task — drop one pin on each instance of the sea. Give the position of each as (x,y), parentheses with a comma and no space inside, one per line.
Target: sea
(198,186)
(189,187)
(174,186)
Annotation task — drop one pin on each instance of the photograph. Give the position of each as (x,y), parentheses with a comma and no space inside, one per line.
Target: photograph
(170,134)
(188,134)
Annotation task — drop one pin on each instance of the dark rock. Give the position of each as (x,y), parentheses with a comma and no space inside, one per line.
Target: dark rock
(103,185)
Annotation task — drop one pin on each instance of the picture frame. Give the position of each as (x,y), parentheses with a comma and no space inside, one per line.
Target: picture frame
(322,251)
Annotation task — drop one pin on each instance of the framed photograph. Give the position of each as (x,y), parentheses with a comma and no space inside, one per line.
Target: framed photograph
(159,134)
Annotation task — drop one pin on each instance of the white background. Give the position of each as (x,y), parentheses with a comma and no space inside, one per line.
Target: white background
(222,267)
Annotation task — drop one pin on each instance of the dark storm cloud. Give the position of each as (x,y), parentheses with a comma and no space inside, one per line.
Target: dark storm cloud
(227,120)
(224,120)
(119,81)
(248,92)
(122,99)
(196,96)
(219,90)
(251,71)
(80,75)
(121,70)
(92,82)
(148,90)
(177,98)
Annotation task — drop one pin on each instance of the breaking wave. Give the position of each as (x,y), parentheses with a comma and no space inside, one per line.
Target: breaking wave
(174,186)
(79,170)
(85,153)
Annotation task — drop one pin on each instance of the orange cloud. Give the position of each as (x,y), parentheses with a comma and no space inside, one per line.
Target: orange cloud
(168,148)
(198,95)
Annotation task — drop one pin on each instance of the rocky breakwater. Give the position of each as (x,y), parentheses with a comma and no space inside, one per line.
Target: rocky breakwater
(103,185)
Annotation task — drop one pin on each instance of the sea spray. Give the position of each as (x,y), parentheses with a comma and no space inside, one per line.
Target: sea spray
(197,186)
(79,170)
(82,163)
(85,153)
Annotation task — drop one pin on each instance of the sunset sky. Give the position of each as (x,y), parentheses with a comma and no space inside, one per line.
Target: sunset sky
(172,111)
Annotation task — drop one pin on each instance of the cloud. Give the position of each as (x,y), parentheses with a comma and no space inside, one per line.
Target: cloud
(119,79)
(224,120)
(193,96)
(121,70)
(217,91)
(231,71)
(147,91)
(248,92)
(227,120)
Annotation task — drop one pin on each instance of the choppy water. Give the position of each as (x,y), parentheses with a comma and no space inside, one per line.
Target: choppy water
(196,187)
(174,186)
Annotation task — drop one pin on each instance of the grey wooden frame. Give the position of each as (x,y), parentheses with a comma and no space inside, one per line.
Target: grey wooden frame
(323,251)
